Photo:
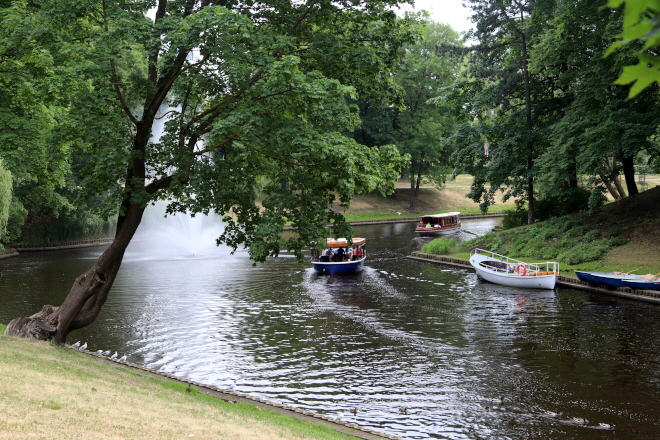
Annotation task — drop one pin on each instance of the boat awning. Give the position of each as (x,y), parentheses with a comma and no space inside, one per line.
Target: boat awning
(443,215)
(343,242)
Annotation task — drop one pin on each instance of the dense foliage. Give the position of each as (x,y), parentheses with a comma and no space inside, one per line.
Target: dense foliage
(243,97)
(544,120)
(424,126)
(5,198)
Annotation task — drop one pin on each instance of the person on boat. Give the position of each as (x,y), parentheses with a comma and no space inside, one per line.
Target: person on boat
(349,254)
(339,256)
(327,255)
(358,253)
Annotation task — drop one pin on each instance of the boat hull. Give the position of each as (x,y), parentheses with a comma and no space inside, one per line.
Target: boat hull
(642,285)
(338,268)
(585,276)
(608,278)
(437,231)
(513,279)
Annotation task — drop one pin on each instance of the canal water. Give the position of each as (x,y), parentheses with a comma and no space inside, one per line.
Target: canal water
(407,348)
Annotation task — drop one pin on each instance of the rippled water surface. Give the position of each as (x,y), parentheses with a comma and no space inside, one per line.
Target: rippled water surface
(418,350)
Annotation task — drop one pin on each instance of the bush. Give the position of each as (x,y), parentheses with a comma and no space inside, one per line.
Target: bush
(562,203)
(439,246)
(578,231)
(618,241)
(583,253)
(590,236)
(515,217)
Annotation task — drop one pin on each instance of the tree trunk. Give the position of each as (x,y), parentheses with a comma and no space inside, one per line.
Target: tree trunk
(614,174)
(88,293)
(610,187)
(619,187)
(417,181)
(529,126)
(629,171)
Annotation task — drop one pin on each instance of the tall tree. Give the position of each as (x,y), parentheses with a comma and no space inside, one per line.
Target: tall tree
(596,131)
(423,128)
(5,199)
(499,100)
(252,94)
(31,103)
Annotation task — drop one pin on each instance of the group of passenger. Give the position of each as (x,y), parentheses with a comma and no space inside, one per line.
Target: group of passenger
(340,254)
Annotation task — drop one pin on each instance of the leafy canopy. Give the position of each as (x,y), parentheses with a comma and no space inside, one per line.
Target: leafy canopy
(641,23)
(234,107)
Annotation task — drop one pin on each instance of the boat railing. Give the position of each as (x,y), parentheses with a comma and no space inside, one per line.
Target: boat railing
(520,267)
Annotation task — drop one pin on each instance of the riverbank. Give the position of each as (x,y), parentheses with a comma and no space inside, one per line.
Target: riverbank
(73,394)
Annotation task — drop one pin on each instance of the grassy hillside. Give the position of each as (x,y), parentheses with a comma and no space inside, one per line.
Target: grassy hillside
(58,393)
(623,235)
(431,201)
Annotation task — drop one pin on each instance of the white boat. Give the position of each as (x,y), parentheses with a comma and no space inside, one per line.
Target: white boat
(506,271)
(439,224)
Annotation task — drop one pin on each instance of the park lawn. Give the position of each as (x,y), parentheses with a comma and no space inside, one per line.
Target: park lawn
(56,393)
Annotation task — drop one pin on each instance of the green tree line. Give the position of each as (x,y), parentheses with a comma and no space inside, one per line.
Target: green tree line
(533,103)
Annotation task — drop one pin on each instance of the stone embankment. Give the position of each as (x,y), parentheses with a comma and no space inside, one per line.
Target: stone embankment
(8,253)
(651,296)
(61,246)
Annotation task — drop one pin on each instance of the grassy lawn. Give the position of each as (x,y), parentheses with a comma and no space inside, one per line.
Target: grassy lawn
(430,201)
(53,392)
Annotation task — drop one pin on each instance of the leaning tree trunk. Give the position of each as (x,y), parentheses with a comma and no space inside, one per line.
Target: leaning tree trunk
(88,293)
(611,188)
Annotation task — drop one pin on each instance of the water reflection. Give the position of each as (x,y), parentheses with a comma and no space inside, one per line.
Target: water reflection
(408,348)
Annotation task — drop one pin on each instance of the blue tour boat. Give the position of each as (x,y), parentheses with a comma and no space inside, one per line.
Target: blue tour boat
(339,257)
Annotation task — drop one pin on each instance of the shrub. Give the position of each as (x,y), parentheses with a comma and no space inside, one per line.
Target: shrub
(618,241)
(439,246)
(567,201)
(583,253)
(578,231)
(590,236)
(515,217)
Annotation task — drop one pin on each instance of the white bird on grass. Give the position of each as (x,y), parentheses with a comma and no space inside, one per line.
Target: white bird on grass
(99,351)
(123,358)
(106,353)
(114,356)
(83,347)
(76,345)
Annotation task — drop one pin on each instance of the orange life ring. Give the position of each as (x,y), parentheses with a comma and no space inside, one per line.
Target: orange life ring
(521,270)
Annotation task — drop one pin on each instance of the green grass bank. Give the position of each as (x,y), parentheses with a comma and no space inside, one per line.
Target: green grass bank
(54,392)
(621,236)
